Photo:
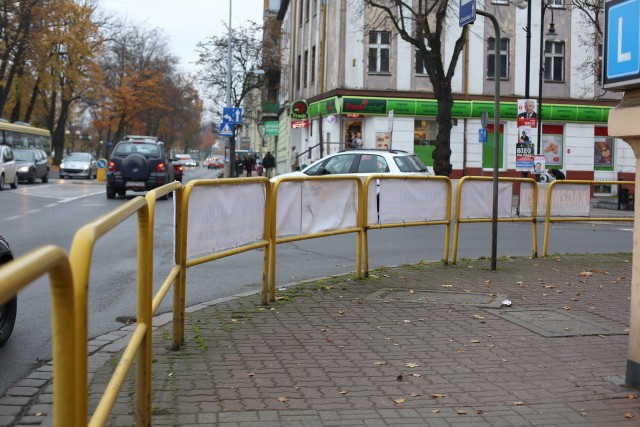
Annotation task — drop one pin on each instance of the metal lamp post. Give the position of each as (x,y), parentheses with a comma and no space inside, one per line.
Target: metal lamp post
(551,34)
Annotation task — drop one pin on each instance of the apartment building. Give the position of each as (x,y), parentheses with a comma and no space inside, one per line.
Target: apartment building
(341,75)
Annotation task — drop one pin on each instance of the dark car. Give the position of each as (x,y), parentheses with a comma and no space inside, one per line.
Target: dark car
(138,163)
(178,169)
(9,309)
(32,164)
(81,165)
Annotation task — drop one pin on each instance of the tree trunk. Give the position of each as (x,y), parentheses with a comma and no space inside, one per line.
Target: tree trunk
(32,101)
(442,154)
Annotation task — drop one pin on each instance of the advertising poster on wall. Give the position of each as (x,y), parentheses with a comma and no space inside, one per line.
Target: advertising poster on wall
(603,151)
(527,115)
(524,149)
(552,149)
(383,140)
(540,165)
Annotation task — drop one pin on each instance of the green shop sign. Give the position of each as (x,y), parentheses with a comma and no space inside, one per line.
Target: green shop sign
(271,128)
(364,105)
(408,107)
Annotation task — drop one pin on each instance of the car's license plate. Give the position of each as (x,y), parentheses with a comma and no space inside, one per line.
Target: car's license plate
(136,184)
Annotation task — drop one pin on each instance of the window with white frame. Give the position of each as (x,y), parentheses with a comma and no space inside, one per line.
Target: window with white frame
(421,63)
(306,68)
(379,51)
(555,3)
(554,61)
(504,58)
(313,64)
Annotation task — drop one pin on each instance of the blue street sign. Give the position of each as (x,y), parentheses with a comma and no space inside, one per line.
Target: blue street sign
(232,115)
(467,12)
(226,129)
(482,136)
(622,45)
(102,163)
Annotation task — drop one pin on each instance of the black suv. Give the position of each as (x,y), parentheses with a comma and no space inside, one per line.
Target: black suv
(138,163)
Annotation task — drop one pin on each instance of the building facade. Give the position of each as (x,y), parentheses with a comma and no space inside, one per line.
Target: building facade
(358,77)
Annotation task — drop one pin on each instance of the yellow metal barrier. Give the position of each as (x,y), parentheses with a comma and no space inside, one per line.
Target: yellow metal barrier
(273,216)
(80,255)
(549,219)
(365,222)
(17,274)
(265,243)
(69,277)
(531,219)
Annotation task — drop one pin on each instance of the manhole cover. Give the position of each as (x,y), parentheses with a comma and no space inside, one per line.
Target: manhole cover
(438,297)
(556,323)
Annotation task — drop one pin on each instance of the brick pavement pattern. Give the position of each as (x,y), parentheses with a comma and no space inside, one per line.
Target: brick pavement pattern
(428,344)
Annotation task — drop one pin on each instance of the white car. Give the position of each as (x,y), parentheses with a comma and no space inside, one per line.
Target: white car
(8,167)
(364,163)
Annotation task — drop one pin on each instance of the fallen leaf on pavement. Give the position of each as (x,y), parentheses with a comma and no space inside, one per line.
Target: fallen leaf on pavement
(518,403)
(435,411)
(416,375)
(414,394)
(438,395)
(629,416)
(412,365)
(283,399)
(585,274)
(399,401)
(447,286)
(475,341)
(343,392)
(462,412)
(380,362)
(477,317)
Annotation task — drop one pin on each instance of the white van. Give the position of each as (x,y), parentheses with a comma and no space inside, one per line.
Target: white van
(8,168)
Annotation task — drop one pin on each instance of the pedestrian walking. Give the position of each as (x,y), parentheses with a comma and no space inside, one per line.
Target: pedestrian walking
(269,164)
(239,166)
(293,160)
(249,164)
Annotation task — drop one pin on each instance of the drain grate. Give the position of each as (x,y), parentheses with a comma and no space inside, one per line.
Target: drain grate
(439,297)
(556,323)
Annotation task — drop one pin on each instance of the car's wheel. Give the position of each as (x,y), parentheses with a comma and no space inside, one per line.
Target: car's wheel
(14,185)
(1,182)
(111,192)
(62,176)
(7,319)
(31,178)
(45,178)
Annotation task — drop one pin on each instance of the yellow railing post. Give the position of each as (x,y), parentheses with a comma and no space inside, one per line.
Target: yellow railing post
(144,315)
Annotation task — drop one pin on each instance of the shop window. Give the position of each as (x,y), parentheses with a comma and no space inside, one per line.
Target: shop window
(424,139)
(552,145)
(603,150)
(421,63)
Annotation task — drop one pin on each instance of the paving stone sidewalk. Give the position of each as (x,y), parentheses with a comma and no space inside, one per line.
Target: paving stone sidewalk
(427,344)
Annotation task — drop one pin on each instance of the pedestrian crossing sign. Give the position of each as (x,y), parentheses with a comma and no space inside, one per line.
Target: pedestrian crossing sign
(226,129)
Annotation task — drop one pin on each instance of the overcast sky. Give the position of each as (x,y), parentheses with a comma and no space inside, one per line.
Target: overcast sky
(187,22)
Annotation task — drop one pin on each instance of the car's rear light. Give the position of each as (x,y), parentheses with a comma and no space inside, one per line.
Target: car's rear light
(178,167)
(111,167)
(161,167)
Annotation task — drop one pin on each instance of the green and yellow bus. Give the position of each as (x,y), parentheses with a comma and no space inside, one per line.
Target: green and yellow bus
(23,135)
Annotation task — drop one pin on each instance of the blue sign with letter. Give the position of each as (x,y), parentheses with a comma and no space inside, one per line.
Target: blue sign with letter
(482,135)
(467,12)
(232,115)
(622,45)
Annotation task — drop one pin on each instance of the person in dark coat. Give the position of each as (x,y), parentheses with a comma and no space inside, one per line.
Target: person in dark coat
(249,164)
(269,163)
(239,166)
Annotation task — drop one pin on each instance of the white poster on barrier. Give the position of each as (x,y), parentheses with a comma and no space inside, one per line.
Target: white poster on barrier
(477,199)
(372,209)
(329,205)
(225,217)
(288,208)
(412,200)
(309,207)
(566,199)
